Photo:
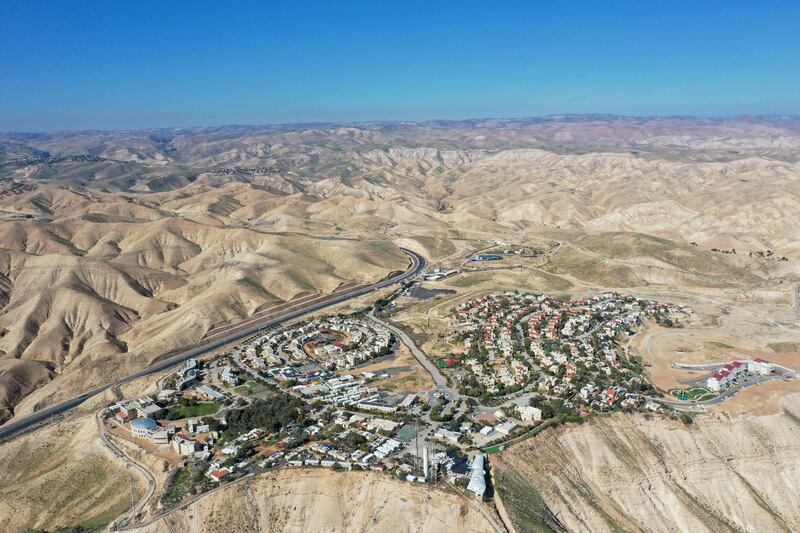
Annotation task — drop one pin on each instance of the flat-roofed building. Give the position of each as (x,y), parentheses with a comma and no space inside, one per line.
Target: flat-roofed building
(477,478)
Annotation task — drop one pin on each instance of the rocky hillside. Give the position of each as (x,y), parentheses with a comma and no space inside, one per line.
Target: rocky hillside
(106,285)
(62,476)
(320,500)
(629,473)
(116,247)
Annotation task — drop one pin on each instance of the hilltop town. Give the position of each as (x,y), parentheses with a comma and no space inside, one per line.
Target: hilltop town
(516,341)
(296,396)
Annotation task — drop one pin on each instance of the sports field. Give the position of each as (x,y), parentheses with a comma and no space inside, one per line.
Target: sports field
(254,390)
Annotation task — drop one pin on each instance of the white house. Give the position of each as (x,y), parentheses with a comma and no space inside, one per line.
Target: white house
(506,428)
(160,437)
(760,366)
(529,414)
(229,376)
(447,435)
(183,445)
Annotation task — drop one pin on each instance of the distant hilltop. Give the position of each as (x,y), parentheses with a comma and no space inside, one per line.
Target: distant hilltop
(246,170)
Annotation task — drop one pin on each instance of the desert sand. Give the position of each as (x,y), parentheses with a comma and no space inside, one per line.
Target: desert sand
(116,247)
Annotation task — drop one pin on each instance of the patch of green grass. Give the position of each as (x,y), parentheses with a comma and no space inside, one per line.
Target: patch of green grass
(783,347)
(99,522)
(254,390)
(495,449)
(721,345)
(693,394)
(191,411)
(179,485)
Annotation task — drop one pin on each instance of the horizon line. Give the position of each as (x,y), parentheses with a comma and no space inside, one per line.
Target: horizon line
(551,117)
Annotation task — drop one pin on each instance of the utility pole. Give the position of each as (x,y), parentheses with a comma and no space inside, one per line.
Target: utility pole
(436,469)
(433,462)
(133,500)
(416,443)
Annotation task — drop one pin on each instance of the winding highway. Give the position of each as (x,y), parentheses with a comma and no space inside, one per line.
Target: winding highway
(235,333)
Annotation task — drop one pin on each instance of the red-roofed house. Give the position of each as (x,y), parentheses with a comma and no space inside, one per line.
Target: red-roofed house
(218,474)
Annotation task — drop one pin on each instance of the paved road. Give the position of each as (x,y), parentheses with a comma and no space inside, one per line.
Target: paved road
(13,429)
(151,481)
(155,518)
(716,366)
(438,378)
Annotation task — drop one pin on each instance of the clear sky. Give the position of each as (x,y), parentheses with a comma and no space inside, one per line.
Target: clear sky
(134,64)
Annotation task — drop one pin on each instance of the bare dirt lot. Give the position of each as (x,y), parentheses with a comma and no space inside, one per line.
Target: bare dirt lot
(406,374)
(715,334)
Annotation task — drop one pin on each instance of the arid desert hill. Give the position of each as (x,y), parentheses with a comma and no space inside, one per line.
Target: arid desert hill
(116,247)
(312,500)
(628,473)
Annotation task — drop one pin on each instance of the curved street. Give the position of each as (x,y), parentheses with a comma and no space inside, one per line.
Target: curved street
(238,332)
(130,463)
(438,378)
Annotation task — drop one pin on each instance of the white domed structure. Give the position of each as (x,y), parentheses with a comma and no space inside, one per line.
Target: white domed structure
(143,428)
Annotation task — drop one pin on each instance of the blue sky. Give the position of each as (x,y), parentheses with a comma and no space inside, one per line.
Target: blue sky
(86,64)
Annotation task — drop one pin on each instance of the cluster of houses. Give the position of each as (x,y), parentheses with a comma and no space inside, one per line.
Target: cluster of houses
(351,406)
(143,417)
(498,424)
(217,471)
(517,340)
(144,408)
(344,390)
(333,342)
(366,441)
(726,375)
(348,421)
(387,446)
